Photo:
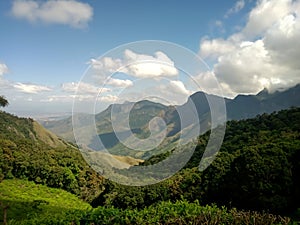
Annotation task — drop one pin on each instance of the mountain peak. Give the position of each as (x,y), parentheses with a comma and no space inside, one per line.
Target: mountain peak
(264,93)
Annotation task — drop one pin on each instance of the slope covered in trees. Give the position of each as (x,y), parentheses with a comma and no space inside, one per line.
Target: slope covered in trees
(257,168)
(28,151)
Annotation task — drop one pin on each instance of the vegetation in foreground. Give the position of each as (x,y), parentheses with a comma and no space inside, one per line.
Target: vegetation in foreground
(37,204)
(29,202)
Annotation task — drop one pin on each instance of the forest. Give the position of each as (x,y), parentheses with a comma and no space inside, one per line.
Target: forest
(255,179)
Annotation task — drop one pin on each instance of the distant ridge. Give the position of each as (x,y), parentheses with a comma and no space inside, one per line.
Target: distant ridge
(241,107)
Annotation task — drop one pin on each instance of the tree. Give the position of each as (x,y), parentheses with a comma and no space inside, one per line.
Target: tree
(3,101)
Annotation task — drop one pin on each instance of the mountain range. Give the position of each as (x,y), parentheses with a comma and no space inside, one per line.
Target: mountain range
(142,112)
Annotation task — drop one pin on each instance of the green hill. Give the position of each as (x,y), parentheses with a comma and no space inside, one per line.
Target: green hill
(257,168)
(28,151)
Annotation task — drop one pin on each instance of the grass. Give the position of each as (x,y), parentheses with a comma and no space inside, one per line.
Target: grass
(27,201)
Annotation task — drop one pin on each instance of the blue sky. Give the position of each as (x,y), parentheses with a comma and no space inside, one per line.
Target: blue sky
(45,46)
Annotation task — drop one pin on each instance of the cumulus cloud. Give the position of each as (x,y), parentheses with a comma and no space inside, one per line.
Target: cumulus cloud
(264,54)
(140,65)
(282,41)
(119,83)
(178,86)
(30,88)
(246,69)
(265,15)
(136,65)
(106,64)
(216,47)
(68,12)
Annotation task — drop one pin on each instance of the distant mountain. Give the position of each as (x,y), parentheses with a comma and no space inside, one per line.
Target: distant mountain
(248,106)
(177,118)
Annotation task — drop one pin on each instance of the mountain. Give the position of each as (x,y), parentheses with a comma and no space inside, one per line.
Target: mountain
(248,106)
(177,118)
(62,128)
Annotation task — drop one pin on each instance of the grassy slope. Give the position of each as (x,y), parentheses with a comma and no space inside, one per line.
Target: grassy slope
(27,201)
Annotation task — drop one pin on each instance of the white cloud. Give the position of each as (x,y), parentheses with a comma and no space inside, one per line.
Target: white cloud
(208,83)
(178,86)
(238,6)
(3,69)
(30,88)
(106,64)
(265,15)
(119,83)
(136,65)
(263,54)
(245,68)
(140,65)
(216,47)
(83,88)
(108,99)
(282,41)
(68,12)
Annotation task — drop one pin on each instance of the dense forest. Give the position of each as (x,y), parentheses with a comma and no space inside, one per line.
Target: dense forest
(254,177)
(257,168)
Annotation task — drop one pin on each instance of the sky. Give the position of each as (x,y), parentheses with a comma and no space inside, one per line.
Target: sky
(55,52)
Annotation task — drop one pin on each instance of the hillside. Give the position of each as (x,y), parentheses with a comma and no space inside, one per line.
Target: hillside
(257,167)
(28,151)
(13,127)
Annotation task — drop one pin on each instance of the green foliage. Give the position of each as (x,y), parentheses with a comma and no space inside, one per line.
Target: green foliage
(3,101)
(24,155)
(30,203)
(261,164)
(180,212)
(257,168)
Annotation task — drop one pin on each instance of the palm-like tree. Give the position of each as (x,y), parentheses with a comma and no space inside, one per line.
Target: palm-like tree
(3,101)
